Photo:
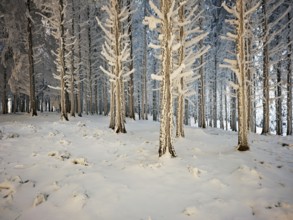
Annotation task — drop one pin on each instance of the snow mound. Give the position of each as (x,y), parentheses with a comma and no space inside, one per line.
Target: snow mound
(217,183)
(196,172)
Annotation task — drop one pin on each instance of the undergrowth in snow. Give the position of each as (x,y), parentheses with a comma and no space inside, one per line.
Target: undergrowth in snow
(81,169)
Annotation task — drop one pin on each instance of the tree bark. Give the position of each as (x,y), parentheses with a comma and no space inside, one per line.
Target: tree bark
(165,145)
(266,89)
(33,108)
(279,118)
(4,92)
(61,56)
(181,98)
(289,79)
(242,91)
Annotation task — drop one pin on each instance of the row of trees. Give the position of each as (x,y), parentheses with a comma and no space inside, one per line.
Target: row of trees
(224,64)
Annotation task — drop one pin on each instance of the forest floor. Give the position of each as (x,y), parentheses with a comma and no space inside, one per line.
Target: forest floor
(81,169)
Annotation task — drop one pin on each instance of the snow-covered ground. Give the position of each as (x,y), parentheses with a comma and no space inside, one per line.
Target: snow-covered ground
(51,169)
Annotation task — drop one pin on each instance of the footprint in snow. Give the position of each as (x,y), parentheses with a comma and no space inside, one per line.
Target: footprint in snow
(81,161)
(64,142)
(60,155)
(40,198)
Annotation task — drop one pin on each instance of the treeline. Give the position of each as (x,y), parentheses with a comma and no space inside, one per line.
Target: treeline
(124,58)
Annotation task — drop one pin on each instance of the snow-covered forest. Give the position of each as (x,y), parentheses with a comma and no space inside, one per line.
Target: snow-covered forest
(205,82)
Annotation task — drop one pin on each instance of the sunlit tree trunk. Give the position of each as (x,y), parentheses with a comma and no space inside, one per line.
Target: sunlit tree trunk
(242,91)
(181,98)
(165,145)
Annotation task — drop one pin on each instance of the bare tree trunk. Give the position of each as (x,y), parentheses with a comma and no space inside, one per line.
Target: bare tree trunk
(289,80)
(79,104)
(233,107)
(166,124)
(72,79)
(226,109)
(221,106)
(202,119)
(90,81)
(112,107)
(215,101)
(278,92)
(266,89)
(4,92)
(105,96)
(155,98)
(33,108)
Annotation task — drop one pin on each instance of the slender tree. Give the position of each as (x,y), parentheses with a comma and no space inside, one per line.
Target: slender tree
(238,66)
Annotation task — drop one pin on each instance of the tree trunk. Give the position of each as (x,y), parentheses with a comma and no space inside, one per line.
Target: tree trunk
(279,118)
(181,98)
(242,91)
(33,107)
(72,79)
(61,57)
(119,120)
(202,120)
(289,80)
(4,92)
(266,89)
(112,107)
(233,107)
(131,112)
(165,145)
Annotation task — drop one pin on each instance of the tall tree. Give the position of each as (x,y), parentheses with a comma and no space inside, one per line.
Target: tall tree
(116,51)
(33,107)
(165,18)
(238,65)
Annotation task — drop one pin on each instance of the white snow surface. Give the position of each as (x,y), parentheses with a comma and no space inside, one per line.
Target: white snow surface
(81,169)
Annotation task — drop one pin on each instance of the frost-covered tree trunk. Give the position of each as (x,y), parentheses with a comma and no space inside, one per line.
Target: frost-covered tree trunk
(116,51)
(242,90)
(181,98)
(33,107)
(166,145)
(238,66)
(289,78)
(131,112)
(61,59)
(266,88)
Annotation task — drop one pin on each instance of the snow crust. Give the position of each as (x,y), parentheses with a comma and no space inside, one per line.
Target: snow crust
(81,169)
